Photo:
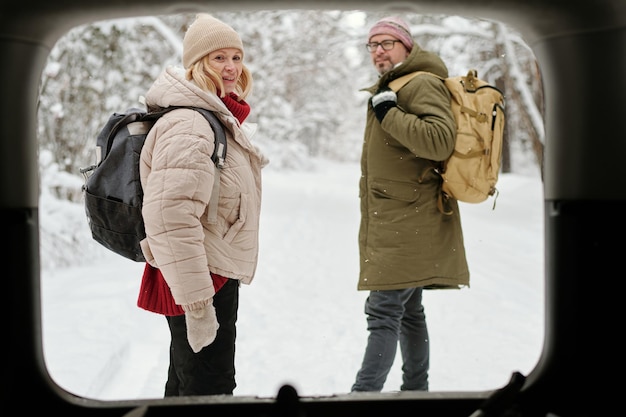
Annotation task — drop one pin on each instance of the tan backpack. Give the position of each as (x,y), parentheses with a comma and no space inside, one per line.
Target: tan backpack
(470,174)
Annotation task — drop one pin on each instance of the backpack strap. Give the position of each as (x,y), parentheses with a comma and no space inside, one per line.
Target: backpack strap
(443,199)
(218,157)
(442,204)
(399,82)
(215,194)
(395,85)
(219,153)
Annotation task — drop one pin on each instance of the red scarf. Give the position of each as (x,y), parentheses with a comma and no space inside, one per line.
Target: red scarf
(155,294)
(239,108)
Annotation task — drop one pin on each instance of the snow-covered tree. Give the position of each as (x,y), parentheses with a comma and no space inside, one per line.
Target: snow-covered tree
(93,71)
(308,68)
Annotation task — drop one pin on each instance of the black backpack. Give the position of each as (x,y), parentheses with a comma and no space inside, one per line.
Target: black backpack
(112,190)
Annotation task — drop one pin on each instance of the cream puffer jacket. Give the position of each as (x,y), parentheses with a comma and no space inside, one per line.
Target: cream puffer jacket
(177,176)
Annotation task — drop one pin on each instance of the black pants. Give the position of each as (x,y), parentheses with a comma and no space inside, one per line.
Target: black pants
(212,370)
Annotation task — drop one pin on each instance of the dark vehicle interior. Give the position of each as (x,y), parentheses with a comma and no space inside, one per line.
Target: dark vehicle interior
(581,51)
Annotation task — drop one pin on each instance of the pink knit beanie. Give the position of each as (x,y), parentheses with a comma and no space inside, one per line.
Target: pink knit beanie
(393,26)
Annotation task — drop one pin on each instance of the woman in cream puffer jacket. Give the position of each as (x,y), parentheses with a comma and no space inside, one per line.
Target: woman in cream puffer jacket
(202,260)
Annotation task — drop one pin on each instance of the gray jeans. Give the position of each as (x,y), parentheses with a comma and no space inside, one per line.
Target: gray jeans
(395,316)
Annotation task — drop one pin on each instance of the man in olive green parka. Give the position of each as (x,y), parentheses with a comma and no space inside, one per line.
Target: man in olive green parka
(406,243)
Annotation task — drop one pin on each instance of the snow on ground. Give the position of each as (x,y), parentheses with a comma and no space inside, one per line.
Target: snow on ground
(301,320)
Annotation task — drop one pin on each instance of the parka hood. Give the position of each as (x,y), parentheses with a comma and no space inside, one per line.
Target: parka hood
(171,88)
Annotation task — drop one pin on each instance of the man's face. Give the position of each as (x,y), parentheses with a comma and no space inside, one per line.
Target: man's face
(385,60)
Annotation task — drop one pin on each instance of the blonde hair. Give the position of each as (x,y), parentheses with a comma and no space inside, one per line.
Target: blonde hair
(208,79)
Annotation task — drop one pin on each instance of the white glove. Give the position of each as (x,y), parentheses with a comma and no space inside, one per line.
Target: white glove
(202,327)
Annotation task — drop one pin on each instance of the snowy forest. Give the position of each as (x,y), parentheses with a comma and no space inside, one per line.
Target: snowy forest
(308,69)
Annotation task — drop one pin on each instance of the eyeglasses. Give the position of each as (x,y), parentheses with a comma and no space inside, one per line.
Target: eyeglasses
(387,45)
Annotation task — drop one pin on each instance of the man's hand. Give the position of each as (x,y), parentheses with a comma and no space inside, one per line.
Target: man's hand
(382,101)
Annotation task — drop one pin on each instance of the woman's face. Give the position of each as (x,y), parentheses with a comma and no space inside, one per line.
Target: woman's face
(227,62)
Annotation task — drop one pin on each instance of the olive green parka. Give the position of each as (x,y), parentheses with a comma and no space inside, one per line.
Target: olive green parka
(404,240)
